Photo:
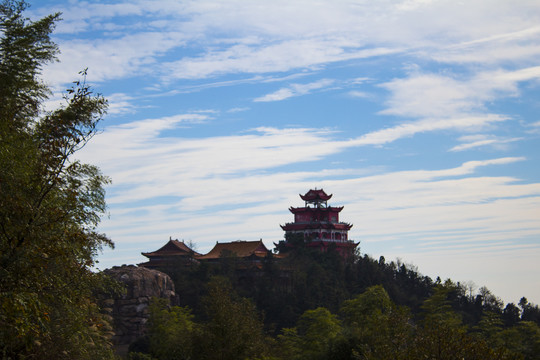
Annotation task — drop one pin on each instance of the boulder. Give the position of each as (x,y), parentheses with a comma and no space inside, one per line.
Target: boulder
(130,310)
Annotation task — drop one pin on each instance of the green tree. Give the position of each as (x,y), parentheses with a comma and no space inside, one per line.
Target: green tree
(376,327)
(171,331)
(490,328)
(50,204)
(234,329)
(313,337)
(442,335)
(523,339)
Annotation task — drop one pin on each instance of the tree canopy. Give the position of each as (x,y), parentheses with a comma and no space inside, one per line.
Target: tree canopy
(50,203)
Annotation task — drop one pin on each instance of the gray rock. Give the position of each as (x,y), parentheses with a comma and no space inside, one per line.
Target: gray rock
(130,310)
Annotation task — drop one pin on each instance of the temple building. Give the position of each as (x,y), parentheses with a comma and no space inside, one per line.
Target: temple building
(319,224)
(315,225)
(173,253)
(244,254)
(247,252)
(177,253)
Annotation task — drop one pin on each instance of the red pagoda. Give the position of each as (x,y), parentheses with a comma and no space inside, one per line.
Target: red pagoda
(319,224)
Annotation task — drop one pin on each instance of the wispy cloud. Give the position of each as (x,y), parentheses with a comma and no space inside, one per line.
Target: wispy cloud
(285,55)
(514,45)
(446,103)
(476,141)
(238,109)
(358,94)
(466,123)
(120,103)
(429,95)
(108,59)
(295,90)
(263,38)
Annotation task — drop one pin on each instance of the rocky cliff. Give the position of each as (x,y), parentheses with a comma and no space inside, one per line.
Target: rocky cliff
(130,311)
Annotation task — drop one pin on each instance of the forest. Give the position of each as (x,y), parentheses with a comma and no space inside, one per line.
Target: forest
(318,305)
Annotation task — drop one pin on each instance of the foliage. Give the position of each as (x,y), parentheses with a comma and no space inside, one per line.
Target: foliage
(386,309)
(139,356)
(377,328)
(524,339)
(369,325)
(234,329)
(50,204)
(171,331)
(317,331)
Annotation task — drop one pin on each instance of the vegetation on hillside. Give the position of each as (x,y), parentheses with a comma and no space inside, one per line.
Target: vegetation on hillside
(315,305)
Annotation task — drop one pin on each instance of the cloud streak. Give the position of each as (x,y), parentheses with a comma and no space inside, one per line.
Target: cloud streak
(476,141)
(295,90)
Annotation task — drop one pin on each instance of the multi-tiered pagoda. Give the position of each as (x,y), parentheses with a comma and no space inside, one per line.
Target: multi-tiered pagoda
(319,223)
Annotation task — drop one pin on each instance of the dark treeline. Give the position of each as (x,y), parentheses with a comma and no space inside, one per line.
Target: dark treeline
(315,304)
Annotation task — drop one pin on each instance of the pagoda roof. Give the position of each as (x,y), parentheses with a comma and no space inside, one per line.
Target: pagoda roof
(295,210)
(172,248)
(239,248)
(313,195)
(316,225)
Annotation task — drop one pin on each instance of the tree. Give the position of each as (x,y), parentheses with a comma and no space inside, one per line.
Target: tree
(234,329)
(317,330)
(171,331)
(490,329)
(511,315)
(377,328)
(523,339)
(50,204)
(442,335)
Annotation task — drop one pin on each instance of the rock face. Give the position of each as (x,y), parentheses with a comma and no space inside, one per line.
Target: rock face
(130,311)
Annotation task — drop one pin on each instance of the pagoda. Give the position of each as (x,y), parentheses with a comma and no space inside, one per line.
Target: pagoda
(319,224)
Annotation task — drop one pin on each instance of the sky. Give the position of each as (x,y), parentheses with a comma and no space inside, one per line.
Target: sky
(421,117)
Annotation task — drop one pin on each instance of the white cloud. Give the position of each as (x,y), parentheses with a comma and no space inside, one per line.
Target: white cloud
(521,45)
(137,145)
(475,141)
(153,166)
(295,90)
(107,59)
(447,103)
(358,94)
(120,103)
(466,123)
(219,38)
(238,109)
(533,128)
(270,57)
(430,95)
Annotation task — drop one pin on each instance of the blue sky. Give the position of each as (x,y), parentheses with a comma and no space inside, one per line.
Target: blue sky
(421,117)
